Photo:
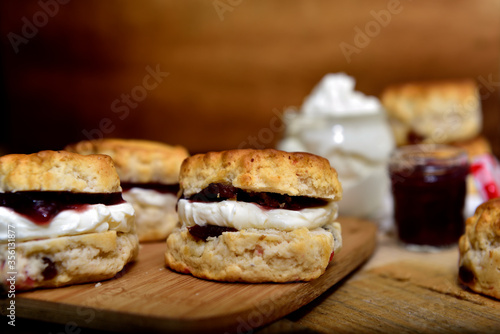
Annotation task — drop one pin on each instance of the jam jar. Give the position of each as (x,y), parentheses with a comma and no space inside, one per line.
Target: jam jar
(429,187)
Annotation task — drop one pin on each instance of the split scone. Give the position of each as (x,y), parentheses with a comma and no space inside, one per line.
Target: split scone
(62,220)
(149,174)
(479,247)
(438,112)
(256,216)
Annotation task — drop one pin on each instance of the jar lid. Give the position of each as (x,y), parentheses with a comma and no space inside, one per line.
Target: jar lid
(433,158)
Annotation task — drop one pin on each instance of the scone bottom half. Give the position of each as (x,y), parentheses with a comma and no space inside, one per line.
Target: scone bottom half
(240,252)
(67,260)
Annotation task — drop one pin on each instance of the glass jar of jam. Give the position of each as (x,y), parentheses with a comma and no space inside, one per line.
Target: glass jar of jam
(429,188)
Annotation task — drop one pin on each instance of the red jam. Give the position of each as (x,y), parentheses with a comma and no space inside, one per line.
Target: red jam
(159,187)
(217,192)
(41,206)
(331,257)
(204,232)
(429,188)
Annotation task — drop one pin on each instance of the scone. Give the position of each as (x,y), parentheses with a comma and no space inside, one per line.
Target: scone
(62,220)
(439,112)
(479,267)
(149,174)
(256,216)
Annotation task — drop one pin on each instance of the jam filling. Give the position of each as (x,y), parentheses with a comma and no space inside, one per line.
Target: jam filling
(217,192)
(41,206)
(204,232)
(159,187)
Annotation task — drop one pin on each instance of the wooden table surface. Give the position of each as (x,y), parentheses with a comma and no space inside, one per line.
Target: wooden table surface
(396,290)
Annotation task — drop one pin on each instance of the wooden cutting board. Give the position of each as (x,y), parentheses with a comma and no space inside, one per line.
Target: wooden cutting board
(148,296)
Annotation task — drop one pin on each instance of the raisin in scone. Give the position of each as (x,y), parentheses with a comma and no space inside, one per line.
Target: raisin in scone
(256,216)
(479,267)
(149,174)
(62,220)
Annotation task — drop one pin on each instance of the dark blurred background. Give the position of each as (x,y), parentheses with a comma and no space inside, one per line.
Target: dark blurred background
(212,75)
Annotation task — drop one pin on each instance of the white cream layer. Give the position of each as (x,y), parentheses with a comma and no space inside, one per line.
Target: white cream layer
(149,197)
(242,215)
(96,218)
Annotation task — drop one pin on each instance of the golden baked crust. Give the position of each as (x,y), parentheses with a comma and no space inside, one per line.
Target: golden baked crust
(480,250)
(434,111)
(58,171)
(268,170)
(138,161)
(255,256)
(74,259)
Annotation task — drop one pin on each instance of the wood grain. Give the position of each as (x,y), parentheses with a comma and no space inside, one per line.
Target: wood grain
(414,296)
(148,296)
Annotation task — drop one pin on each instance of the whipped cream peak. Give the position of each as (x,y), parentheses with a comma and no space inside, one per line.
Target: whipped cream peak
(335,95)
(350,130)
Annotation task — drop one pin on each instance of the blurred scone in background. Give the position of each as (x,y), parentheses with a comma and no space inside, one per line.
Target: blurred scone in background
(438,112)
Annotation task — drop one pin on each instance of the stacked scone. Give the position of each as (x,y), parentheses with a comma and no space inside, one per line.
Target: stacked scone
(149,174)
(480,250)
(256,216)
(62,220)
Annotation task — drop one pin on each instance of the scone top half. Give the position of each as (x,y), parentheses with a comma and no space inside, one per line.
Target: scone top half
(58,171)
(51,194)
(138,161)
(273,171)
